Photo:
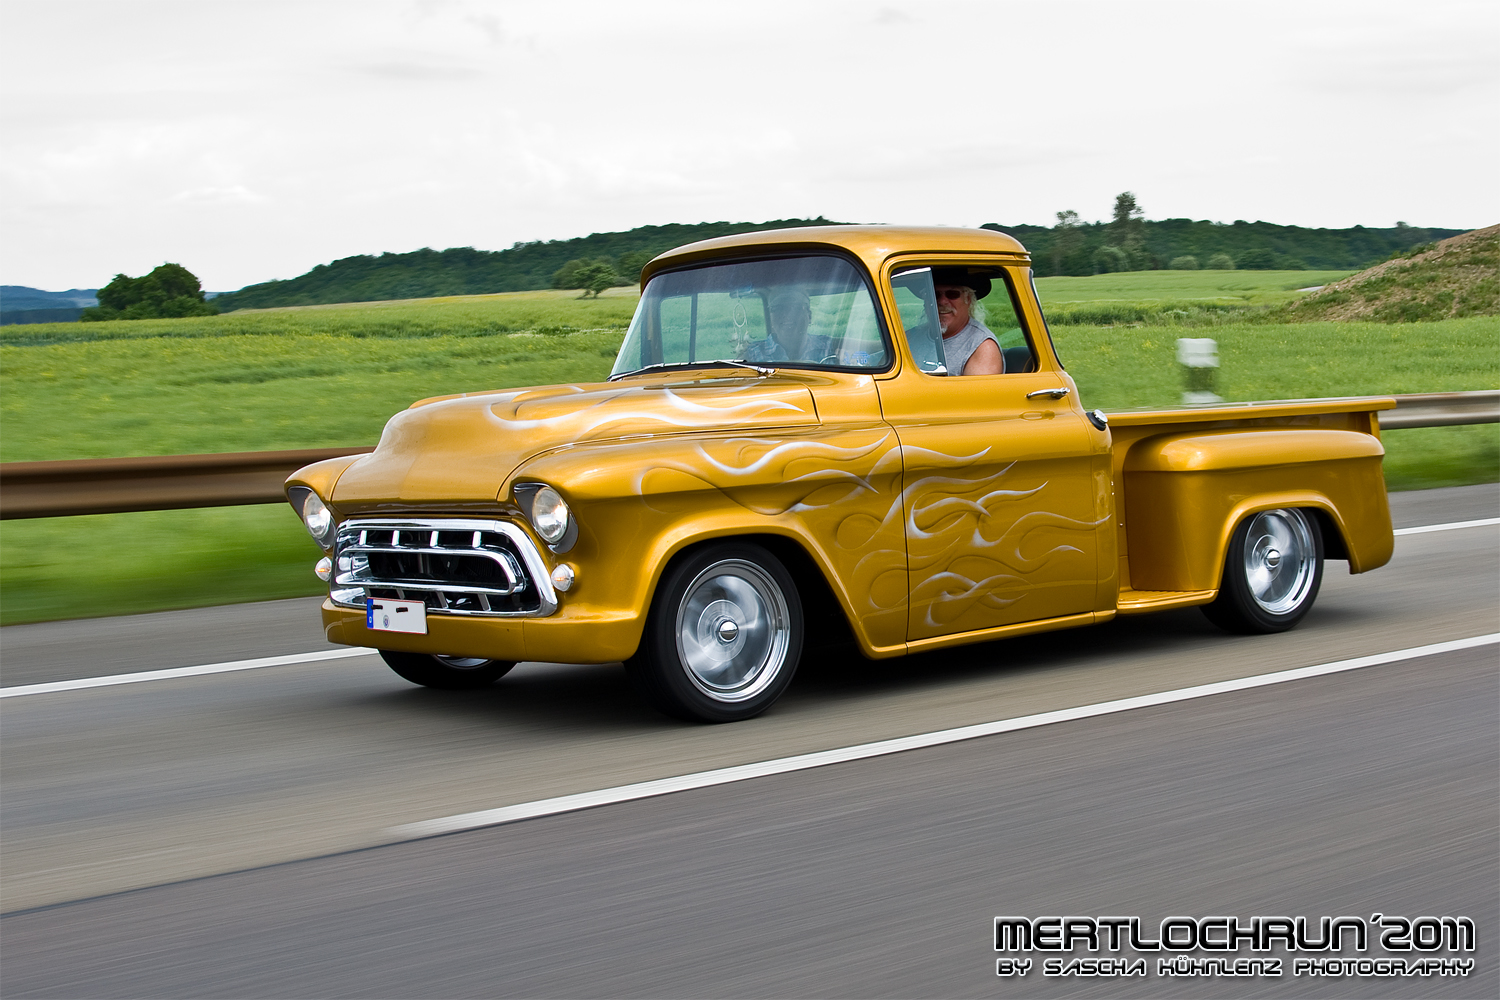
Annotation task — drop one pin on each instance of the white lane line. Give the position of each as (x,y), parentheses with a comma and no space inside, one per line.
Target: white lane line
(743,772)
(163,675)
(1449,526)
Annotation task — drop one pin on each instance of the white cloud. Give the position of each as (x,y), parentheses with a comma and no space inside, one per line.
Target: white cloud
(253,140)
(203,196)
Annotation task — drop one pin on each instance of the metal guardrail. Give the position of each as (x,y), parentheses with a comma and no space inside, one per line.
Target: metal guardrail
(1443,409)
(153,482)
(175,482)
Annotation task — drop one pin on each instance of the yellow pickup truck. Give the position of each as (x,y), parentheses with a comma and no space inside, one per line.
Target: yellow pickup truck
(856,431)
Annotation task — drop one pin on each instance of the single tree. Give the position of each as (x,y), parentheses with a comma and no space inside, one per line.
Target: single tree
(1128,231)
(596,278)
(1221,262)
(1067,240)
(1186,263)
(169,291)
(586,273)
(567,275)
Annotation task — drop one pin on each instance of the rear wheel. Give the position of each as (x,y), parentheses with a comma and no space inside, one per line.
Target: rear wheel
(447,673)
(1271,573)
(723,637)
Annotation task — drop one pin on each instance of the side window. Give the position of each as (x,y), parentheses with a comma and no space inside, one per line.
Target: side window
(917,306)
(1001,313)
(949,311)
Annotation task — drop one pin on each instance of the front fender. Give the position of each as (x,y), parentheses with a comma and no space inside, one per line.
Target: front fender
(321,477)
(834,494)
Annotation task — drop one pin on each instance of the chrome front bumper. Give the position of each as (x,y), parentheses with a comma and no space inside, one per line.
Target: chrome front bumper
(456,566)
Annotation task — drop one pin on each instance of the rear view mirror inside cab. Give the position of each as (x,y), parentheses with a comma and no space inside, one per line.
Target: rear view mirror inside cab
(949,312)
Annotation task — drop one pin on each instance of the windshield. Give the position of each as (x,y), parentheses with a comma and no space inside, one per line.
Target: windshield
(801,312)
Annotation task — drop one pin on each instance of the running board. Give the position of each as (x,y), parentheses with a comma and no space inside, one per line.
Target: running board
(1140,602)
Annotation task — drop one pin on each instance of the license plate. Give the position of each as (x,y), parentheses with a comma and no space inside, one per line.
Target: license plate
(395,616)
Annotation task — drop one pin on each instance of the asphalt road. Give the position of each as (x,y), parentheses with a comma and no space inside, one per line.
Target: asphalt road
(1346,795)
(124,807)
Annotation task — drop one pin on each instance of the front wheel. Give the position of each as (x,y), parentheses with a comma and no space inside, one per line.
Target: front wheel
(723,637)
(447,673)
(1271,573)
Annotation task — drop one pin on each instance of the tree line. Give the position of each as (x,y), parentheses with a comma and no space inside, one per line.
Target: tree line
(1129,242)
(466,271)
(594,263)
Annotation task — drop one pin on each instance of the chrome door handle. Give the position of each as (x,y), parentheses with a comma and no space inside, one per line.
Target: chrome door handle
(1052,393)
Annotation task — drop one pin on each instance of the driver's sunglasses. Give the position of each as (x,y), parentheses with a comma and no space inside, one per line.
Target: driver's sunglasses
(950,293)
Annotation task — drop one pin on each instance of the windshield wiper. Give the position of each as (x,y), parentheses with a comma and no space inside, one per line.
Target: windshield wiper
(667,365)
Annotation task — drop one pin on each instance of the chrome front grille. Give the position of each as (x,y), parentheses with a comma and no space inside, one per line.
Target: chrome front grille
(454,566)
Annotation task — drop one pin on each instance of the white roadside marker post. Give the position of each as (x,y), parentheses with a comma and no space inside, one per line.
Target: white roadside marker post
(1199,357)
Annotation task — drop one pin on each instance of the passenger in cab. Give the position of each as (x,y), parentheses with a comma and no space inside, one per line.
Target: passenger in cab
(791,315)
(969,348)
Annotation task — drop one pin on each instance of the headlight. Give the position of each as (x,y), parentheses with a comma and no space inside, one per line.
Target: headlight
(550,515)
(319,520)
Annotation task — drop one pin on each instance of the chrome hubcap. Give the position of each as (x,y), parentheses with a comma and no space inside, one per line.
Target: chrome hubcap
(1279,559)
(733,629)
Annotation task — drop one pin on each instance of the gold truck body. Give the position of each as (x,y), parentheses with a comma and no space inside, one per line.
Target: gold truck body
(933,510)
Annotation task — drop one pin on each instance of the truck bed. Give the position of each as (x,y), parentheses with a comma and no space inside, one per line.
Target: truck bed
(1183,477)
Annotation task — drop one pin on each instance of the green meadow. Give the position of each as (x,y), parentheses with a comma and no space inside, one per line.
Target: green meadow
(1246,288)
(1175,298)
(331,375)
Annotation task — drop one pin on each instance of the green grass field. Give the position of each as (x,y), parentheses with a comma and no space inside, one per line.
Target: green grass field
(1136,366)
(1249,288)
(454,316)
(1174,298)
(330,375)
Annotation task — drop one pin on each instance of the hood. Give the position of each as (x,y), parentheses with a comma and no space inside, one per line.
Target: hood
(461,450)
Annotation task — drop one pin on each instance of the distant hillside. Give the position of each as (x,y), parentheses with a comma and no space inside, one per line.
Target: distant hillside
(1457,277)
(20,304)
(1251,245)
(466,271)
(527,266)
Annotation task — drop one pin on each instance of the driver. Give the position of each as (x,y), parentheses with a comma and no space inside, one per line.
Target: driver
(791,315)
(969,348)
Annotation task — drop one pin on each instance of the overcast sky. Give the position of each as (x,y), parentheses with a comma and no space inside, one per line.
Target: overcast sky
(253,140)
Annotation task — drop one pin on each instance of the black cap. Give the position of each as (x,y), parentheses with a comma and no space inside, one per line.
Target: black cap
(960,276)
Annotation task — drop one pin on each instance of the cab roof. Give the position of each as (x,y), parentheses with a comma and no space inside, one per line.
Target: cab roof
(871,244)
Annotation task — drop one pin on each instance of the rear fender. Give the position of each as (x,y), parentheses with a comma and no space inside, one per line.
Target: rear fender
(1185,494)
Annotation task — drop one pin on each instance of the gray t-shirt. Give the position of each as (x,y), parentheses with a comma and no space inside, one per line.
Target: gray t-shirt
(958,348)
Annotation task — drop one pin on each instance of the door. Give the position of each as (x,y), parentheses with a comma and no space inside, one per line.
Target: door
(999,485)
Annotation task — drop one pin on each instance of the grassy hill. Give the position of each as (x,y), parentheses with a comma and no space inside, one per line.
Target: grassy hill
(1457,277)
